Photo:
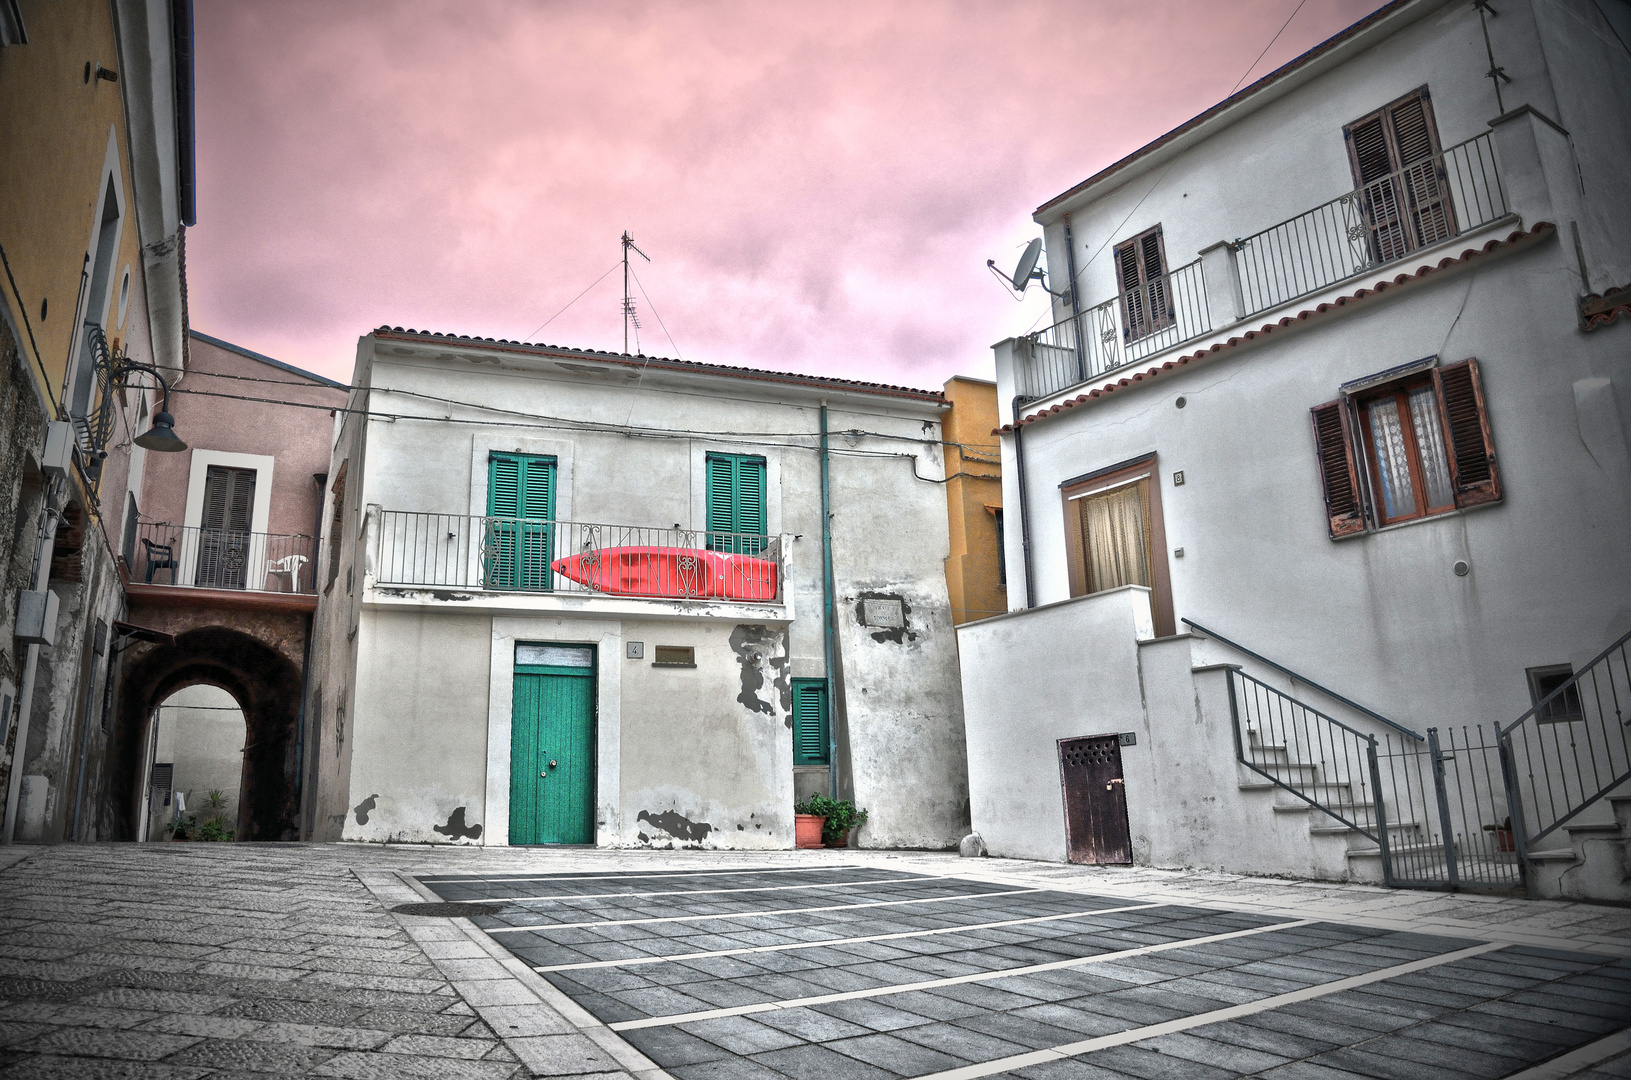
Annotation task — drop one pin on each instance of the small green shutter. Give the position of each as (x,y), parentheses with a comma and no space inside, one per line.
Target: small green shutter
(810,738)
(520,491)
(736,502)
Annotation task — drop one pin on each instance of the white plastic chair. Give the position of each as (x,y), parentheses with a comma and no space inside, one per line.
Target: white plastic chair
(288,566)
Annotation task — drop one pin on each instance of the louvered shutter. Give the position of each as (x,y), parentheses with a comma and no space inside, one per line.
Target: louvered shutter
(1339,477)
(810,739)
(537,501)
(241,503)
(750,504)
(1421,172)
(1154,269)
(1473,468)
(1133,312)
(504,486)
(503,533)
(721,493)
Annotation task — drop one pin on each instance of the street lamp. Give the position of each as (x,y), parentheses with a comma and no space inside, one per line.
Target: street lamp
(162,435)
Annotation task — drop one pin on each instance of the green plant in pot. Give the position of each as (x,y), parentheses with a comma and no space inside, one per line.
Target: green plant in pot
(842,817)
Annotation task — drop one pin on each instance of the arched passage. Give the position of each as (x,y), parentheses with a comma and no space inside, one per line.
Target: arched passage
(265,683)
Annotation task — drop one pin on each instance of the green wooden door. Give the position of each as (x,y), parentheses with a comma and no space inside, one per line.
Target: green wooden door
(552,752)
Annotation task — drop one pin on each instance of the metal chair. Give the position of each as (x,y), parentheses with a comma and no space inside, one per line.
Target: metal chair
(159,557)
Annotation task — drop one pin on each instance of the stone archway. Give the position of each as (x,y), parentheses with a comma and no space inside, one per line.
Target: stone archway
(265,683)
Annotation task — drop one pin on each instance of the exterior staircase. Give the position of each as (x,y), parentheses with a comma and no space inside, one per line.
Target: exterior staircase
(1596,863)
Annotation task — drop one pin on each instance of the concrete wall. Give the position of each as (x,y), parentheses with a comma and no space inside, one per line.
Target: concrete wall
(702,750)
(201,732)
(973,487)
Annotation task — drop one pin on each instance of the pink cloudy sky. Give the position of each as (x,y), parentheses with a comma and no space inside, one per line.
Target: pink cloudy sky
(817,184)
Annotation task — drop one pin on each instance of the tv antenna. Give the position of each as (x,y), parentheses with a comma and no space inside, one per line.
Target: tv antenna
(1026,272)
(629,314)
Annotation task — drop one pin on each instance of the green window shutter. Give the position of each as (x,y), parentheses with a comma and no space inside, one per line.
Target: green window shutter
(736,501)
(810,738)
(519,551)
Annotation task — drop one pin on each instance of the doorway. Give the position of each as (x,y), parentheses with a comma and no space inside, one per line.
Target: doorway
(1096,829)
(552,745)
(195,775)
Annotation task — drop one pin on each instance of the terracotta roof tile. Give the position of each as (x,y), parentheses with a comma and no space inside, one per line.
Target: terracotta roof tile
(663,363)
(1598,310)
(1540,229)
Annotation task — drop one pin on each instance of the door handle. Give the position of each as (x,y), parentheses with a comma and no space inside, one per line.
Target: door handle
(551,764)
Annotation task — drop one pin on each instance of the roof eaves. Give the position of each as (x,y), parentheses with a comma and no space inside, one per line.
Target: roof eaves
(1239,96)
(1598,310)
(665,364)
(1542,228)
(253,355)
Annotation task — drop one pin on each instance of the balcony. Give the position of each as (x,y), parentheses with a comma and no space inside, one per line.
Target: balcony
(256,568)
(1385,221)
(530,556)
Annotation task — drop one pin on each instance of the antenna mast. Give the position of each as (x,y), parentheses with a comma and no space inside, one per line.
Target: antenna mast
(628,301)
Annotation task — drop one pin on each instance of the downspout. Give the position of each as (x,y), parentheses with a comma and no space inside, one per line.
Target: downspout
(1024,510)
(1075,305)
(321,480)
(827,629)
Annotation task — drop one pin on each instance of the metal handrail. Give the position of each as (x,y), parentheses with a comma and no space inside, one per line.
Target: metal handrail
(1160,314)
(202,558)
(1282,669)
(1424,203)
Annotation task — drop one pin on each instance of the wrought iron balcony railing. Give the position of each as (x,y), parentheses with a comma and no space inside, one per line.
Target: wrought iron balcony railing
(1432,200)
(533,555)
(200,558)
(1157,315)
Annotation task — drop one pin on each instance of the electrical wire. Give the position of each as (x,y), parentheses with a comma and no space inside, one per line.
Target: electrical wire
(575,299)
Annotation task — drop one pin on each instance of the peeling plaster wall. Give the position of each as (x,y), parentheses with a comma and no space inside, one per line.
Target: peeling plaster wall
(707,757)
(419,730)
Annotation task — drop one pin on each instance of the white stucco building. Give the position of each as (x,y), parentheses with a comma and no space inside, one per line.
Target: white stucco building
(1344,381)
(577,597)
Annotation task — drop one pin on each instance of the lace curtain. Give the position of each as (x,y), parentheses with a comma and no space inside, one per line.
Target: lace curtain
(1117,551)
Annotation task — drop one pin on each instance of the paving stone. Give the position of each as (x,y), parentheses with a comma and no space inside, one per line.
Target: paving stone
(811,1062)
(439,1046)
(561,1055)
(205,1027)
(98,1042)
(740,1034)
(61,1068)
(369,1066)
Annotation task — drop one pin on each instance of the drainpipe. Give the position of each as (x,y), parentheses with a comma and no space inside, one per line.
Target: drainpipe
(44,542)
(1075,304)
(827,645)
(321,480)
(1024,511)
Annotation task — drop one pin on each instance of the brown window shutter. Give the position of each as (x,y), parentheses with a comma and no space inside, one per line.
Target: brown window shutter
(1466,427)
(1338,476)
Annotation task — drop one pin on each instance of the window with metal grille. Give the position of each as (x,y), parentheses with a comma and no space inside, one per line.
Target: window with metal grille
(736,503)
(1141,275)
(1546,681)
(811,737)
(1394,450)
(520,538)
(674,656)
(1403,190)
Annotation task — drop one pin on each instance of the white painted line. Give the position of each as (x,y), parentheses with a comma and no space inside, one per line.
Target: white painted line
(840,941)
(757,914)
(1578,1059)
(708,892)
(630,876)
(1216,1016)
(955,980)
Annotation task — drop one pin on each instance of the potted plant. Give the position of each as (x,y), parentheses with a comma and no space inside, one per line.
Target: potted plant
(808,823)
(839,817)
(1503,835)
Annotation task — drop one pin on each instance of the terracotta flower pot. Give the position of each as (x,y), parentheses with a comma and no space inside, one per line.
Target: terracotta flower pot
(807,830)
(841,841)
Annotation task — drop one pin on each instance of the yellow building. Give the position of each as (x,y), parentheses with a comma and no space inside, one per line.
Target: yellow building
(95,189)
(974,569)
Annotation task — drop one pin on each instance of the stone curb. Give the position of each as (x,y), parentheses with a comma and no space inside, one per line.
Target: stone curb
(550,1033)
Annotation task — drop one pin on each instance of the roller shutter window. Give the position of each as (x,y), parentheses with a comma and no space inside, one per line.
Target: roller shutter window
(1403,189)
(810,723)
(735,486)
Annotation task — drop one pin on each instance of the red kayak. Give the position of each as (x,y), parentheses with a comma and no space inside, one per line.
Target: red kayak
(670,571)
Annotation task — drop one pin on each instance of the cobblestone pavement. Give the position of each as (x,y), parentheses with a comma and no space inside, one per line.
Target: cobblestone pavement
(238,960)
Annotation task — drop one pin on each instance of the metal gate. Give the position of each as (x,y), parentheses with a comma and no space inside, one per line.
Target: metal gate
(1435,806)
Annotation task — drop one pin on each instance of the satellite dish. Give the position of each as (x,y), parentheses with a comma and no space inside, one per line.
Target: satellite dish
(1027,264)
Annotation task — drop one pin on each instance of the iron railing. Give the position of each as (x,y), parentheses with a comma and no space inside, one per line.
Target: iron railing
(1315,757)
(1571,749)
(196,557)
(1385,220)
(1158,315)
(533,555)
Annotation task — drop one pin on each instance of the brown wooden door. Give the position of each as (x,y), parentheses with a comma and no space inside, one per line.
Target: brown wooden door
(1095,800)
